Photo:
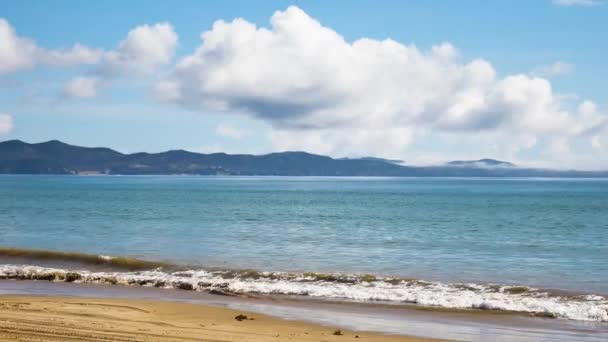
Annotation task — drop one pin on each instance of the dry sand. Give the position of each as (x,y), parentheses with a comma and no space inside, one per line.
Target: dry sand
(32,318)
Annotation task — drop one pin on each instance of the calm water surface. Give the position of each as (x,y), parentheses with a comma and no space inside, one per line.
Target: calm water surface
(550,233)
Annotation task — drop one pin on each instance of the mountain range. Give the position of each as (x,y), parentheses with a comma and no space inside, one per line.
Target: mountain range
(56,157)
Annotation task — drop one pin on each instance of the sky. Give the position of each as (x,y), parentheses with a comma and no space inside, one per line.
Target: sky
(420,81)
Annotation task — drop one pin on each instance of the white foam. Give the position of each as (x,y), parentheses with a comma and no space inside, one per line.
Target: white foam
(458,296)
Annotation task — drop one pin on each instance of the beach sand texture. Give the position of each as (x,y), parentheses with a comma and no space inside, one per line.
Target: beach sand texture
(33,318)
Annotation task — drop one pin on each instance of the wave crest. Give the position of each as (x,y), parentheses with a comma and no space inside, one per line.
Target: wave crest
(119,262)
(361,288)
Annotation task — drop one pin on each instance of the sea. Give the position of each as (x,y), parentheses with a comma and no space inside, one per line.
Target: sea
(537,246)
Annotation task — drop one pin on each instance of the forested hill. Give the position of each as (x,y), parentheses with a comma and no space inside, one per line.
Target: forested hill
(56,157)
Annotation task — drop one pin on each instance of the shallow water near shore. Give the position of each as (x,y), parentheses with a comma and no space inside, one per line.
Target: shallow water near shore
(531,245)
(460,326)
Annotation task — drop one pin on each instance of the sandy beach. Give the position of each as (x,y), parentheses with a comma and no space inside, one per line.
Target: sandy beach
(41,318)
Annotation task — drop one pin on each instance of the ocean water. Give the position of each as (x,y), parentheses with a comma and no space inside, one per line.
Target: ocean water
(531,245)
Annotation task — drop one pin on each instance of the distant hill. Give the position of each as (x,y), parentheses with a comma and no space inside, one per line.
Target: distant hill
(56,157)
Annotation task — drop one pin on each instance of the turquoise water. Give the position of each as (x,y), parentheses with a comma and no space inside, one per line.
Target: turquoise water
(548,233)
(541,233)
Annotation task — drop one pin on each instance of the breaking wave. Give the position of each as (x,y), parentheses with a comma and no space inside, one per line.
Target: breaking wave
(360,288)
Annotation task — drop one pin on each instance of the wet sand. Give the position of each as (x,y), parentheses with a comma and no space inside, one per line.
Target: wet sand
(50,318)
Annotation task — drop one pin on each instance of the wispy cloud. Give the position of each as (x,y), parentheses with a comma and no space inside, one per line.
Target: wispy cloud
(556,69)
(229,131)
(584,3)
(142,52)
(20,53)
(82,87)
(6,123)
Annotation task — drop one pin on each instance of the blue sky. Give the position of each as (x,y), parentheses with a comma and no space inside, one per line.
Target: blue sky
(518,80)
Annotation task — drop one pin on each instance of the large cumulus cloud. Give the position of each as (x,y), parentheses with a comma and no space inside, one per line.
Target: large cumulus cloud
(323,93)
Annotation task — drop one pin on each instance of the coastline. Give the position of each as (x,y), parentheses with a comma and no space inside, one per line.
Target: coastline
(363,319)
(69,318)
(72,267)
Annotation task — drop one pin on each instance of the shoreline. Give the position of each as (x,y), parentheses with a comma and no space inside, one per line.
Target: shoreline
(71,318)
(361,288)
(353,317)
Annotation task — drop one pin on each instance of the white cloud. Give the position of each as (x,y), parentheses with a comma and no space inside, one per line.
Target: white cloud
(555,69)
(166,91)
(229,131)
(585,3)
(18,53)
(82,87)
(324,94)
(6,123)
(144,49)
(359,142)
(78,54)
(142,52)
(15,52)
